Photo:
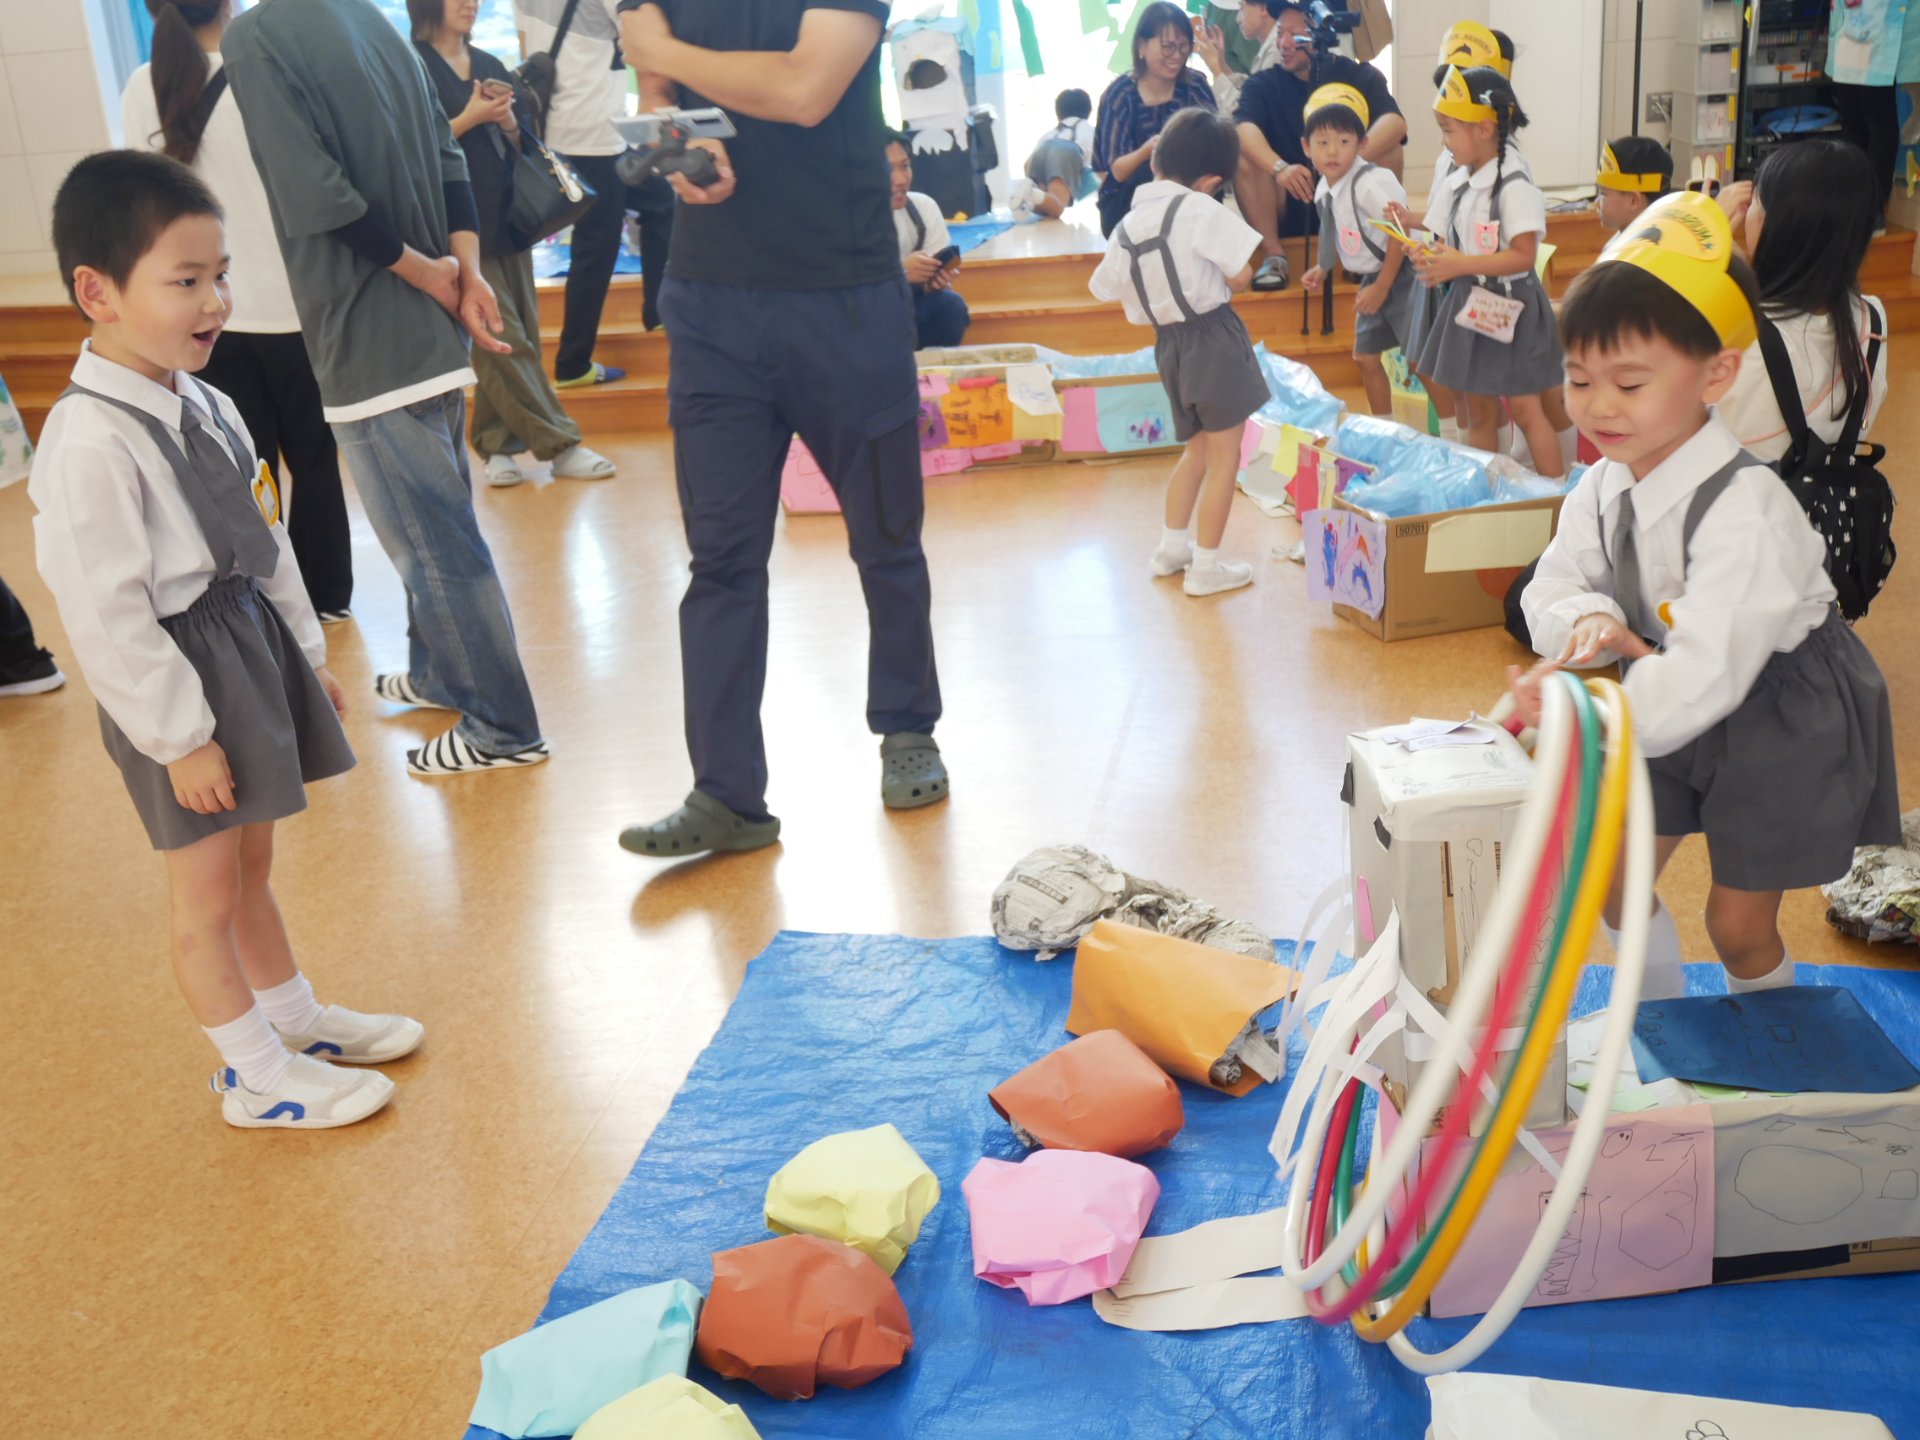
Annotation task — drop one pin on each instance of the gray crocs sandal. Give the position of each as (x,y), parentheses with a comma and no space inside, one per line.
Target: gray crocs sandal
(1272,274)
(912,773)
(701,825)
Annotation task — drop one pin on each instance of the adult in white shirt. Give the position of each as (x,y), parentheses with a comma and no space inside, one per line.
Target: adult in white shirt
(1259,22)
(589,89)
(1808,216)
(940,316)
(179,105)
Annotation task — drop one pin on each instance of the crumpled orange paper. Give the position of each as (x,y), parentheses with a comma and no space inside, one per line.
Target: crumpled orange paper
(1182,1003)
(1100,1092)
(790,1314)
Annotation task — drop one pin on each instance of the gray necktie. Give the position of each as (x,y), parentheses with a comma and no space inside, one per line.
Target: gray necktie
(1626,568)
(229,504)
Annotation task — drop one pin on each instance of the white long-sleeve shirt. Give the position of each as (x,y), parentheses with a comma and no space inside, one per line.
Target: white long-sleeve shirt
(1209,245)
(1227,87)
(1756,583)
(119,547)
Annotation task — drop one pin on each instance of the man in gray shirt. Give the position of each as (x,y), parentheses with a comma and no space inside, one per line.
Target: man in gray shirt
(376,219)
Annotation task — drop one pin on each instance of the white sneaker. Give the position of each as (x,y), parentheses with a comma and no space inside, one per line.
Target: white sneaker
(503,471)
(577,462)
(1220,576)
(1167,562)
(313,1096)
(346,1037)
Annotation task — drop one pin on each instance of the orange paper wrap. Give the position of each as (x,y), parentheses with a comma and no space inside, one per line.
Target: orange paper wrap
(1100,1092)
(797,1312)
(1182,1003)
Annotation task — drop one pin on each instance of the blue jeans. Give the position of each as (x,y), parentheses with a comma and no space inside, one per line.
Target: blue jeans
(752,368)
(941,318)
(410,466)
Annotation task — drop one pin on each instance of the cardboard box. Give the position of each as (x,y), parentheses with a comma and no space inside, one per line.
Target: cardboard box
(1428,830)
(1450,571)
(974,362)
(1077,443)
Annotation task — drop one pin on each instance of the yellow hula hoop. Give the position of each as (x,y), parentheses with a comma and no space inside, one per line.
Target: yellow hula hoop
(1538,1049)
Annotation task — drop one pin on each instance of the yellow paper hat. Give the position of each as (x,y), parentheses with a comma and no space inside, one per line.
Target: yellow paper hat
(1686,243)
(1456,100)
(1612,177)
(1338,94)
(1469,43)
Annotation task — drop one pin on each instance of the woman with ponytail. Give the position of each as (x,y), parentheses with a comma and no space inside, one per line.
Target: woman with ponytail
(179,105)
(1493,336)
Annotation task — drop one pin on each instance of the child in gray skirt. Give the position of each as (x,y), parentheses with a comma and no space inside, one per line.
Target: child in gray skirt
(1353,197)
(158,532)
(1765,722)
(1175,261)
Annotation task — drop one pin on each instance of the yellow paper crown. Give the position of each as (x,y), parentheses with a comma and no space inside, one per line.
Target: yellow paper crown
(1469,43)
(1456,101)
(1686,243)
(1612,177)
(1338,94)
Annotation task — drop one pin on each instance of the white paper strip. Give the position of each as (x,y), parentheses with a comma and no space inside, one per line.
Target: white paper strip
(1258,1301)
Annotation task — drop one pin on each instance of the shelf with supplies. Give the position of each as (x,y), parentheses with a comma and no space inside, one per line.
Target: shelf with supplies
(1788,95)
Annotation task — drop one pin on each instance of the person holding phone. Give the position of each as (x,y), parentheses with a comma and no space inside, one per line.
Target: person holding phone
(928,255)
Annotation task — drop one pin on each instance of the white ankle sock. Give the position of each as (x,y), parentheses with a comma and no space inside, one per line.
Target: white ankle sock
(1172,539)
(1663,979)
(1450,431)
(291,1006)
(1204,558)
(1569,445)
(1775,979)
(252,1048)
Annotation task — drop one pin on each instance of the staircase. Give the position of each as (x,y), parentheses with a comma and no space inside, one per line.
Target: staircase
(1026,286)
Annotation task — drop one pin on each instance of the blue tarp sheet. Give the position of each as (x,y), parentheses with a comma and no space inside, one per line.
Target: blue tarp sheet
(835,1032)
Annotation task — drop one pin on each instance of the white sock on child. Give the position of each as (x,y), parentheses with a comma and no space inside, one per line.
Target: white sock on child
(1775,979)
(1202,558)
(252,1048)
(1663,978)
(1172,539)
(291,1006)
(1569,446)
(1450,431)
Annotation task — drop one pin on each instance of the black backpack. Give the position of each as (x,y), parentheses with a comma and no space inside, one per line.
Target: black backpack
(1840,485)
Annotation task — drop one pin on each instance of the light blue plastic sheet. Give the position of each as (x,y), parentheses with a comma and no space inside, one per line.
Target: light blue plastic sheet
(848,1031)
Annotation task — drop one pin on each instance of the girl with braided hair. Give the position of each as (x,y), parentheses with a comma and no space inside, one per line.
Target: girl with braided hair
(1492,336)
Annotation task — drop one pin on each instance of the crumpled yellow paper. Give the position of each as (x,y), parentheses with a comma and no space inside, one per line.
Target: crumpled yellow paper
(864,1188)
(670,1408)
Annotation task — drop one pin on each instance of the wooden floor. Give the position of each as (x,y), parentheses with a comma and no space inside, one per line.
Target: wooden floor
(169,1277)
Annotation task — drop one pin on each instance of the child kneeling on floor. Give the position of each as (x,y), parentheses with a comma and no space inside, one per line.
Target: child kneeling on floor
(157,531)
(1765,722)
(1354,196)
(1175,262)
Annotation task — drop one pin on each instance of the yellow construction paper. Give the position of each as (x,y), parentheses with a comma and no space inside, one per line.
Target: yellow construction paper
(1286,456)
(670,1408)
(1543,260)
(864,1188)
(1036,427)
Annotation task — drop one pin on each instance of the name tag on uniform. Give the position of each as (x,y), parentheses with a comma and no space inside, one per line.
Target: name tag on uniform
(1489,313)
(266,494)
(1350,241)
(1486,237)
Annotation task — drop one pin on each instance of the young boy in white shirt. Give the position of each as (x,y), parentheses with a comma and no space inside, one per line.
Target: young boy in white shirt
(1765,722)
(1353,196)
(1175,262)
(158,532)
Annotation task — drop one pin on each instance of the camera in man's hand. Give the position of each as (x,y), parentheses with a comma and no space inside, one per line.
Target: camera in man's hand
(661,144)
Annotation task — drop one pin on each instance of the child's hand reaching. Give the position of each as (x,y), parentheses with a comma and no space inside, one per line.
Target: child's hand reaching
(1403,217)
(332,687)
(1371,297)
(1525,686)
(1314,279)
(202,782)
(1438,264)
(1599,634)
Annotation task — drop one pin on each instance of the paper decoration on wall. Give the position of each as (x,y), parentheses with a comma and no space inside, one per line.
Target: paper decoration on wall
(1029,38)
(1812,1037)
(978,414)
(1134,417)
(1346,556)
(927,73)
(1096,18)
(1644,1223)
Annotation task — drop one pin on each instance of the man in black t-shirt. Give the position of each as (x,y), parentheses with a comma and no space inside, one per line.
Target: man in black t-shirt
(790,314)
(1275,182)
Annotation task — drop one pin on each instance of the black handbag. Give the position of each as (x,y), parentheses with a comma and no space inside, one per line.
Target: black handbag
(544,195)
(538,71)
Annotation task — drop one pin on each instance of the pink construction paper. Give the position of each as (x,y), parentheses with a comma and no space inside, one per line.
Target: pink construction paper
(803,488)
(997,452)
(1080,426)
(932,387)
(1060,1224)
(1305,485)
(944,462)
(1644,1224)
(1250,442)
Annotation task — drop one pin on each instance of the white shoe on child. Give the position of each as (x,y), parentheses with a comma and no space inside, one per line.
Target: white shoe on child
(313,1096)
(1216,577)
(346,1037)
(1170,559)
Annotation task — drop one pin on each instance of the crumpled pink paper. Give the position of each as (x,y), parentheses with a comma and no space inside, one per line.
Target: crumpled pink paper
(1060,1224)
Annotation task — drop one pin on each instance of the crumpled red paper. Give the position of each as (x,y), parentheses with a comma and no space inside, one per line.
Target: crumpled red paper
(1100,1092)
